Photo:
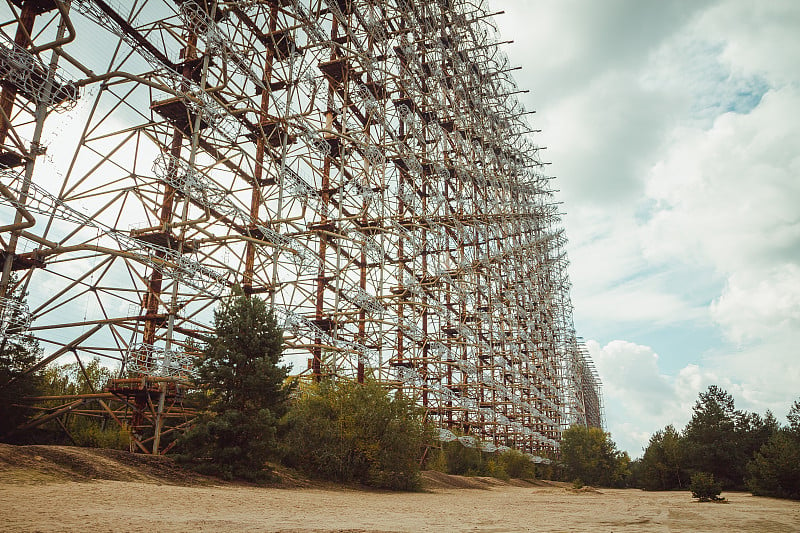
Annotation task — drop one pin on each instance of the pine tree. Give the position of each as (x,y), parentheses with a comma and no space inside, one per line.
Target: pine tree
(775,469)
(18,352)
(721,440)
(661,466)
(246,393)
(710,438)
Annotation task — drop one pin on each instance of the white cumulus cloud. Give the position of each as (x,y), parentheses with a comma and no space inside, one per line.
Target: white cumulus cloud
(672,130)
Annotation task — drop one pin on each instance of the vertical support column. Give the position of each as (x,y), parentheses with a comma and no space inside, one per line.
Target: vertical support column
(21,39)
(258,172)
(319,314)
(7,96)
(155,284)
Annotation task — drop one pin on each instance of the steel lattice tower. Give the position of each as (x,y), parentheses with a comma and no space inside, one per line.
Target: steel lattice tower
(364,165)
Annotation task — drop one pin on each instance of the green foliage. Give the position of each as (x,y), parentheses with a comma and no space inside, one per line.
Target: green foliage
(240,361)
(589,454)
(353,432)
(73,378)
(552,470)
(753,432)
(704,487)
(736,448)
(463,460)
(516,465)
(435,460)
(18,352)
(99,434)
(721,440)
(794,417)
(86,378)
(496,469)
(246,393)
(15,384)
(231,444)
(662,465)
(457,459)
(775,469)
(710,437)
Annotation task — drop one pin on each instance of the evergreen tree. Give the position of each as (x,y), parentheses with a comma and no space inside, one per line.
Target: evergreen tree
(753,432)
(661,466)
(794,418)
(721,440)
(18,352)
(246,393)
(710,438)
(775,469)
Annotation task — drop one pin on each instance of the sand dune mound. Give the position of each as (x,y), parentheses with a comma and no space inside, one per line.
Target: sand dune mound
(68,463)
(41,464)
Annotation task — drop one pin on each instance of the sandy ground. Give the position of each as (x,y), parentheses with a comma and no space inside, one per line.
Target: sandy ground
(32,500)
(135,506)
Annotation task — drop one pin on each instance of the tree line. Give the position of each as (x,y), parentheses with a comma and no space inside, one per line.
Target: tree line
(253,414)
(740,450)
(721,448)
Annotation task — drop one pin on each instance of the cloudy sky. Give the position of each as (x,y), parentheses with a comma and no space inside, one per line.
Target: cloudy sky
(674,131)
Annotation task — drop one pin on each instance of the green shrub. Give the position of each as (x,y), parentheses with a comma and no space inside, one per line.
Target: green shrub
(591,455)
(435,460)
(495,468)
(516,464)
(456,459)
(351,432)
(92,434)
(549,471)
(464,461)
(704,487)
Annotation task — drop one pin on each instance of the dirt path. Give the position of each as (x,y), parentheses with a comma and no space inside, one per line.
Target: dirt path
(42,502)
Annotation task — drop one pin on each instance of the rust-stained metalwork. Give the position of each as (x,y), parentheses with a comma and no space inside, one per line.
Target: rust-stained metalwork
(363,165)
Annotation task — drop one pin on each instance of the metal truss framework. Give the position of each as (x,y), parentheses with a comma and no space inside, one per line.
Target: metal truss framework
(364,165)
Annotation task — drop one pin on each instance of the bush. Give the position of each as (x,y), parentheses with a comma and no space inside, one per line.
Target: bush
(456,459)
(704,487)
(463,460)
(435,460)
(351,432)
(496,469)
(92,434)
(516,465)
